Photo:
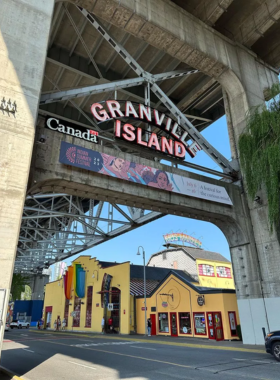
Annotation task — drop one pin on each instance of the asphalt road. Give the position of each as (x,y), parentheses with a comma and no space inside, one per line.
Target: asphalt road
(56,356)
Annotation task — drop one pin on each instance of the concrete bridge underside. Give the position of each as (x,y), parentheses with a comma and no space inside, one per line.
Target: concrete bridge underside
(234,76)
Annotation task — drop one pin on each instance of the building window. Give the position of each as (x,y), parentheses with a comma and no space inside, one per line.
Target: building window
(185,323)
(206,270)
(163,322)
(223,272)
(163,255)
(175,265)
(199,324)
(89,306)
(66,311)
(232,323)
(77,310)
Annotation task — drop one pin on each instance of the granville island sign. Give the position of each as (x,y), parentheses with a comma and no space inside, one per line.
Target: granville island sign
(176,145)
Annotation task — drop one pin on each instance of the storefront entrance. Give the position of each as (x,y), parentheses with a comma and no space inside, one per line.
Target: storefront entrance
(215,326)
(173,324)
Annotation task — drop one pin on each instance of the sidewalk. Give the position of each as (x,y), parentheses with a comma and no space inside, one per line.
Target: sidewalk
(168,340)
(7,375)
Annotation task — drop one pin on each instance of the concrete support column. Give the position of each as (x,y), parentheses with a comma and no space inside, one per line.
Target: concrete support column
(24,33)
(259,308)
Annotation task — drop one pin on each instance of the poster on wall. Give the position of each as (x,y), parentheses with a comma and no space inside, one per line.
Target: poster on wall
(117,167)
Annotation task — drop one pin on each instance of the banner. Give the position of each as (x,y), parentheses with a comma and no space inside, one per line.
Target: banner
(79,280)
(145,175)
(170,238)
(106,283)
(68,279)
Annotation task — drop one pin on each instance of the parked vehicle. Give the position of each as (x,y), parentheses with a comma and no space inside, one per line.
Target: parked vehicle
(7,327)
(19,324)
(272,344)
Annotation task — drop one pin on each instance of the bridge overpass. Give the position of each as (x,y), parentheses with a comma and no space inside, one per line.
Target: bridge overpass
(61,57)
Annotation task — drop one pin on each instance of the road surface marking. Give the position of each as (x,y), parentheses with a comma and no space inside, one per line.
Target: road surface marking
(145,348)
(25,349)
(102,344)
(168,343)
(24,335)
(86,366)
(239,359)
(129,356)
(262,361)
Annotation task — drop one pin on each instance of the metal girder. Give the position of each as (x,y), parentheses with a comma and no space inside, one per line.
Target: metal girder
(192,131)
(90,90)
(57,226)
(79,34)
(172,74)
(183,121)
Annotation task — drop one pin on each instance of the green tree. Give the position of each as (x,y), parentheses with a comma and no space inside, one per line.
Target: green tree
(18,285)
(27,294)
(259,148)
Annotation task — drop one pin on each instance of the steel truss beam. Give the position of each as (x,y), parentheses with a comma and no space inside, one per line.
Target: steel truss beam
(90,90)
(57,226)
(150,79)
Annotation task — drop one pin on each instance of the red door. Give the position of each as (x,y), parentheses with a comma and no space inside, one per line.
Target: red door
(210,323)
(154,326)
(218,326)
(173,324)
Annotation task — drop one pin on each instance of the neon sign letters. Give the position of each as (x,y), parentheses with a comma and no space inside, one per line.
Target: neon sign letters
(176,145)
(170,238)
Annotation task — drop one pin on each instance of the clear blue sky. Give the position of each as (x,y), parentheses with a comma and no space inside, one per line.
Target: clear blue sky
(150,236)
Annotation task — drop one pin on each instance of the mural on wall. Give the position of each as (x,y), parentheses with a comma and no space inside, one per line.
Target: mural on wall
(145,175)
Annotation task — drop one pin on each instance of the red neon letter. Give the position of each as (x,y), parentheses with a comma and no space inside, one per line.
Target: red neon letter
(102,115)
(129,109)
(166,145)
(168,123)
(158,120)
(174,129)
(139,137)
(114,106)
(153,141)
(182,152)
(128,133)
(118,128)
(145,111)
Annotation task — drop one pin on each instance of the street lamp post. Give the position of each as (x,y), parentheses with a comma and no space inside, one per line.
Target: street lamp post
(144,265)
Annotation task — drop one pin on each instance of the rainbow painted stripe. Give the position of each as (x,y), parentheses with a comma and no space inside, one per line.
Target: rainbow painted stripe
(170,238)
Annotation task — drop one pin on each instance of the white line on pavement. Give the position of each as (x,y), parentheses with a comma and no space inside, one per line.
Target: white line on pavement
(25,349)
(24,335)
(145,348)
(86,366)
(239,359)
(262,361)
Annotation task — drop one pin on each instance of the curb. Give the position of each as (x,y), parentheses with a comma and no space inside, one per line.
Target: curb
(168,343)
(12,375)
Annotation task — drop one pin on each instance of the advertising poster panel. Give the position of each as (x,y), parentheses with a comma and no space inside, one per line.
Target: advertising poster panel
(145,175)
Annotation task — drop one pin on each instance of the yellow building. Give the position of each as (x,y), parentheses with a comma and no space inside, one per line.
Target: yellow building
(210,269)
(176,304)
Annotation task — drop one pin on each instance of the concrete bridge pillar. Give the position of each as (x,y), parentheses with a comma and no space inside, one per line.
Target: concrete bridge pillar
(37,284)
(24,32)
(258,307)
